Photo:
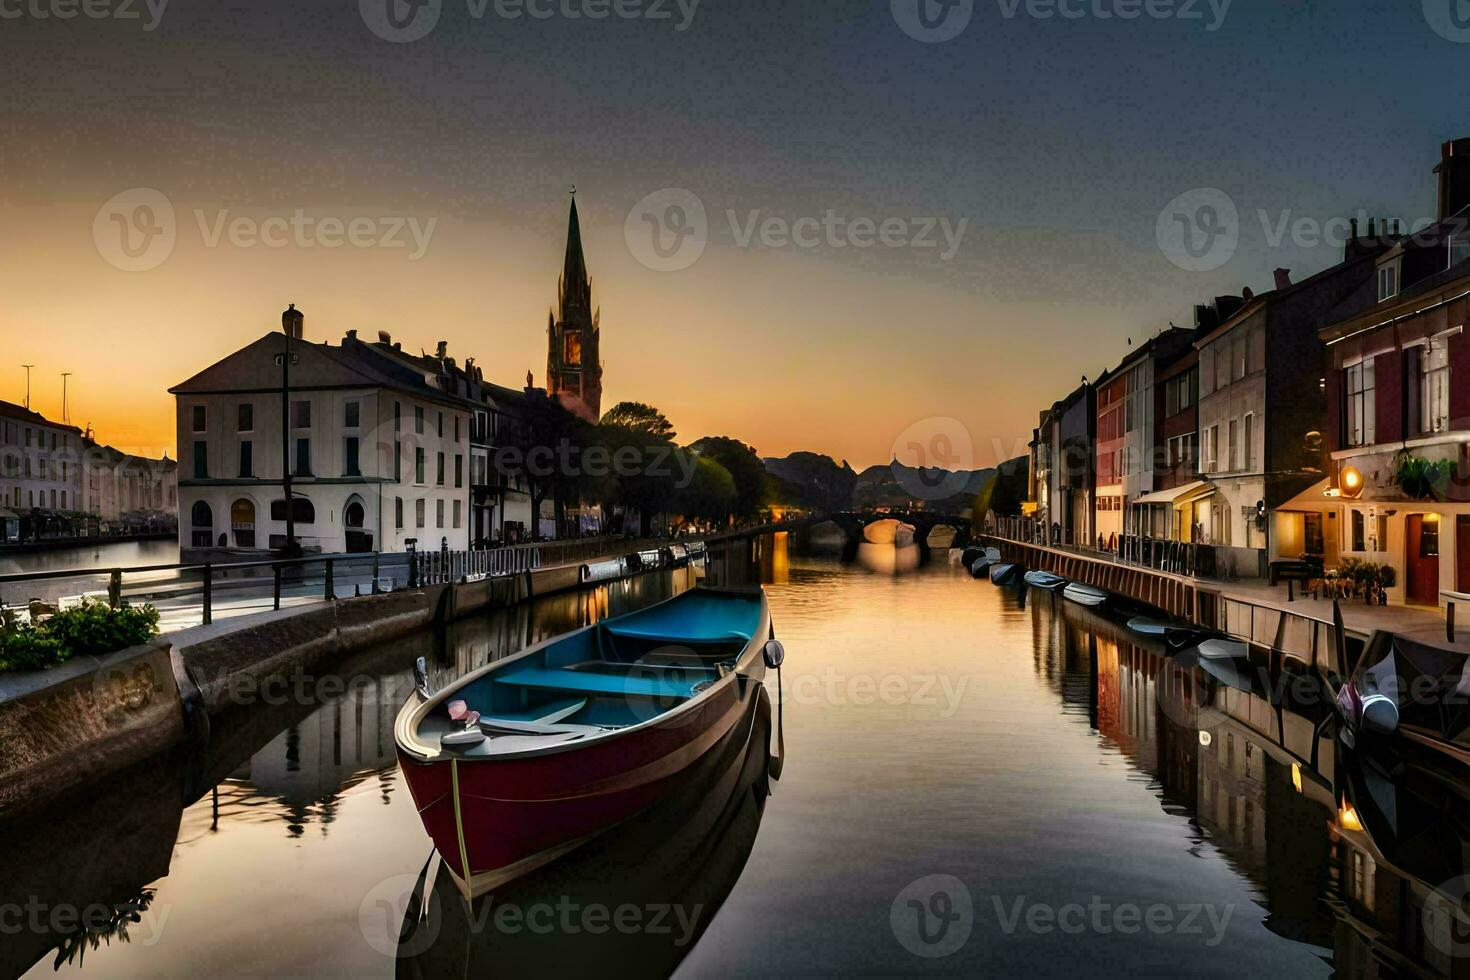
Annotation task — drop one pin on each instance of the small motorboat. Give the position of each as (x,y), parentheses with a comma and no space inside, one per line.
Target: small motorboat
(1045,580)
(1086,595)
(1005,573)
(980,567)
(522,760)
(1406,688)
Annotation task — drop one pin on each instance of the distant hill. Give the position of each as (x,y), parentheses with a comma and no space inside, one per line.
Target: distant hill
(821,482)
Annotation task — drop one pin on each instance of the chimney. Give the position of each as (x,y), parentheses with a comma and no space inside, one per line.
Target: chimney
(351,335)
(385,338)
(442,350)
(1283,278)
(1454,177)
(293,323)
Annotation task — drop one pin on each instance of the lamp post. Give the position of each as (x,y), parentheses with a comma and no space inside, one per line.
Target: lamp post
(291,324)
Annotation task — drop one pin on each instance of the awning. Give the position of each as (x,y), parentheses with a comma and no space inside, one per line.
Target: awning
(1198,488)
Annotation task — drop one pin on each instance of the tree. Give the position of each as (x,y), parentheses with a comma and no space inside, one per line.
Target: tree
(549,441)
(743,466)
(635,433)
(642,417)
(711,492)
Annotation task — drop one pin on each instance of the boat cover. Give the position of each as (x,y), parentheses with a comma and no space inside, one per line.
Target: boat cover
(693,618)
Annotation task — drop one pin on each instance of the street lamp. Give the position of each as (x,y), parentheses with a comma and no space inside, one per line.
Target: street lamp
(291,326)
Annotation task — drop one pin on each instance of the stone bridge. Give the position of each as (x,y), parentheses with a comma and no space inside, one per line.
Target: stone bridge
(853,523)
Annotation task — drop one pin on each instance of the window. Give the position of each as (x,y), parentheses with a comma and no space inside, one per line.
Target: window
(456,428)
(247,460)
(202,518)
(1429,537)
(246,422)
(418,464)
(418,419)
(201,460)
(1459,249)
(458,470)
(1232,461)
(1312,537)
(1358,413)
(303,511)
(1357,543)
(351,415)
(418,512)
(303,457)
(398,513)
(1250,441)
(456,514)
(439,468)
(439,514)
(397,417)
(1212,449)
(1380,539)
(572,352)
(397,461)
(301,414)
(441,425)
(1239,356)
(349,454)
(1434,399)
(1388,282)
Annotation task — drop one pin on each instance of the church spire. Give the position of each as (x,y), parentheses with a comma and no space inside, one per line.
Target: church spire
(574,271)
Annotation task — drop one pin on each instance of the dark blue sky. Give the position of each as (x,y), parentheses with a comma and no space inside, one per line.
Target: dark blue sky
(1059,140)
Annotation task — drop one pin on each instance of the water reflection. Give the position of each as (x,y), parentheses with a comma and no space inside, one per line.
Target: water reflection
(1081,761)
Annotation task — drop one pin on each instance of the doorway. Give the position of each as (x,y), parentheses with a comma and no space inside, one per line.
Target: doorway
(1462,552)
(1421,559)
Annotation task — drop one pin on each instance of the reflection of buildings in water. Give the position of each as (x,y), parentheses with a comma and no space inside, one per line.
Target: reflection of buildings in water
(301,773)
(745,561)
(1239,788)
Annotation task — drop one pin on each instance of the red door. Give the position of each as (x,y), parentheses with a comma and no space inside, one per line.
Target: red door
(1421,559)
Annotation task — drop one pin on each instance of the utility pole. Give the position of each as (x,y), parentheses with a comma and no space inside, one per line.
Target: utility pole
(28,383)
(65,411)
(290,323)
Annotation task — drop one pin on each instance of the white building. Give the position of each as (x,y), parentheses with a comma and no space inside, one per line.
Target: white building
(40,462)
(377,451)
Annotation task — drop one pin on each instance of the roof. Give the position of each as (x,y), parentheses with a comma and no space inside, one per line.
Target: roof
(354,364)
(14,411)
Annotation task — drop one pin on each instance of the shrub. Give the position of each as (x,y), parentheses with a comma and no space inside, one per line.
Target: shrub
(1422,479)
(93,628)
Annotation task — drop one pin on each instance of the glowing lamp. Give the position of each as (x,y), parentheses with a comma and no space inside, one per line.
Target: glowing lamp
(1347,817)
(1296,776)
(1352,481)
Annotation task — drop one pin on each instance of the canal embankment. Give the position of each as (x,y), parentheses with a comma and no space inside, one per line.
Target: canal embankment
(65,726)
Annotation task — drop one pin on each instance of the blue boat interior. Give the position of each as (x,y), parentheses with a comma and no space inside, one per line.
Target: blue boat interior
(621,672)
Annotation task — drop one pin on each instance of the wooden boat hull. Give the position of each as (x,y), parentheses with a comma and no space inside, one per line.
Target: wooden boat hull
(1005,573)
(493,819)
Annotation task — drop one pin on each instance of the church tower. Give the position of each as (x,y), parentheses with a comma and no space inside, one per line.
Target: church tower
(573,361)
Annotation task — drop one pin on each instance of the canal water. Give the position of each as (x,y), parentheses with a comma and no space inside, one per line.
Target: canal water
(972,780)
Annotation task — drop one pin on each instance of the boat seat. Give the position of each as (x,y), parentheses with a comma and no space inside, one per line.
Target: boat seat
(619,667)
(499,726)
(612,685)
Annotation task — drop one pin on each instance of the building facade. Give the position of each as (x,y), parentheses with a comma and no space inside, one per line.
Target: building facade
(376,451)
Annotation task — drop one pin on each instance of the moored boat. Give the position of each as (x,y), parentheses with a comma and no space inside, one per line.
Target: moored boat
(1005,573)
(1045,580)
(522,760)
(1176,635)
(1086,595)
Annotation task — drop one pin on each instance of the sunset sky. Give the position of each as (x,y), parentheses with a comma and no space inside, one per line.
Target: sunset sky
(1056,142)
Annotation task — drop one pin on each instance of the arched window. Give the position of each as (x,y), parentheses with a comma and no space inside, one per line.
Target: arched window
(203,520)
(242,523)
(354,515)
(302,511)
